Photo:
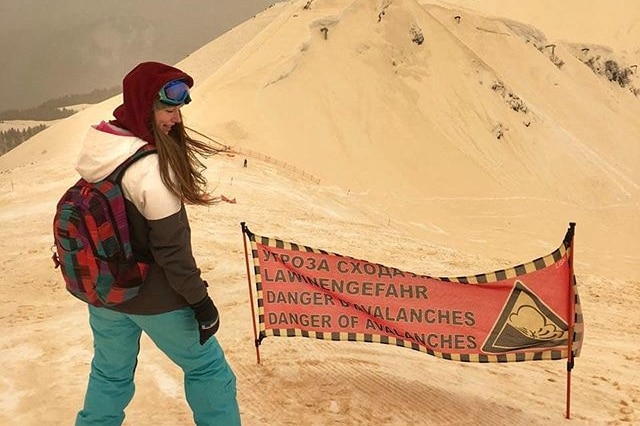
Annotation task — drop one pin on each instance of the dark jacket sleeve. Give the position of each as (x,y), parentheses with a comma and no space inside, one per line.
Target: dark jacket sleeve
(170,245)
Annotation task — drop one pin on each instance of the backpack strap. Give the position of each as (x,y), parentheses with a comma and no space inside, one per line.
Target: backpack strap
(118,173)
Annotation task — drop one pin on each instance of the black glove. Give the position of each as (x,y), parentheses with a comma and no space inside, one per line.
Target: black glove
(207,317)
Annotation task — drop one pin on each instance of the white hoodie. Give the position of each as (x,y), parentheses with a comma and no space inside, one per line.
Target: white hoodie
(103,151)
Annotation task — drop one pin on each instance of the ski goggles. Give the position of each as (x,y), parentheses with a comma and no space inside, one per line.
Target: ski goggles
(175,93)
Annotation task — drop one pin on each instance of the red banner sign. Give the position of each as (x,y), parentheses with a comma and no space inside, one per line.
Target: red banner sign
(517,314)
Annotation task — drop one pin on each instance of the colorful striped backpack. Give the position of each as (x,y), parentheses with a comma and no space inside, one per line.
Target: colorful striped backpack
(92,245)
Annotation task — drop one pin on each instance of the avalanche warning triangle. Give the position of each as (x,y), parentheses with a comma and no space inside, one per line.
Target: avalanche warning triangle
(526,322)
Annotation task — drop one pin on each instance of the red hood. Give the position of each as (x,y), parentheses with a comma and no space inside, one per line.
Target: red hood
(139,90)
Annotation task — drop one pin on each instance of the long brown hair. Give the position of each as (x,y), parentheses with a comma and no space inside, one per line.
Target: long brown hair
(181,170)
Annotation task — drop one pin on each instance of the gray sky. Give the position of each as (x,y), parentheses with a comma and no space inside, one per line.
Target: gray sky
(52,48)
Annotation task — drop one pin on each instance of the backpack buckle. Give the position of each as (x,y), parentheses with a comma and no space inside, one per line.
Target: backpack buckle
(54,257)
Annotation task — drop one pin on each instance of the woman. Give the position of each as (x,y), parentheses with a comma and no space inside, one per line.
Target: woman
(172,307)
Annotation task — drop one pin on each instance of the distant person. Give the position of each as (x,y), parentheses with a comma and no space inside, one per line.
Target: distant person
(172,307)
(245,162)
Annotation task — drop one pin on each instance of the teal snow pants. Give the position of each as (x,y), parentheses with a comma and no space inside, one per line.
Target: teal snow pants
(210,385)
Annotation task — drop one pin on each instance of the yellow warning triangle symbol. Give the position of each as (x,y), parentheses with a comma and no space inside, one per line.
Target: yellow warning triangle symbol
(526,322)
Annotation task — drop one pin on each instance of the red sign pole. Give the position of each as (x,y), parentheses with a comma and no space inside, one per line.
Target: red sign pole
(253,313)
(571,320)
